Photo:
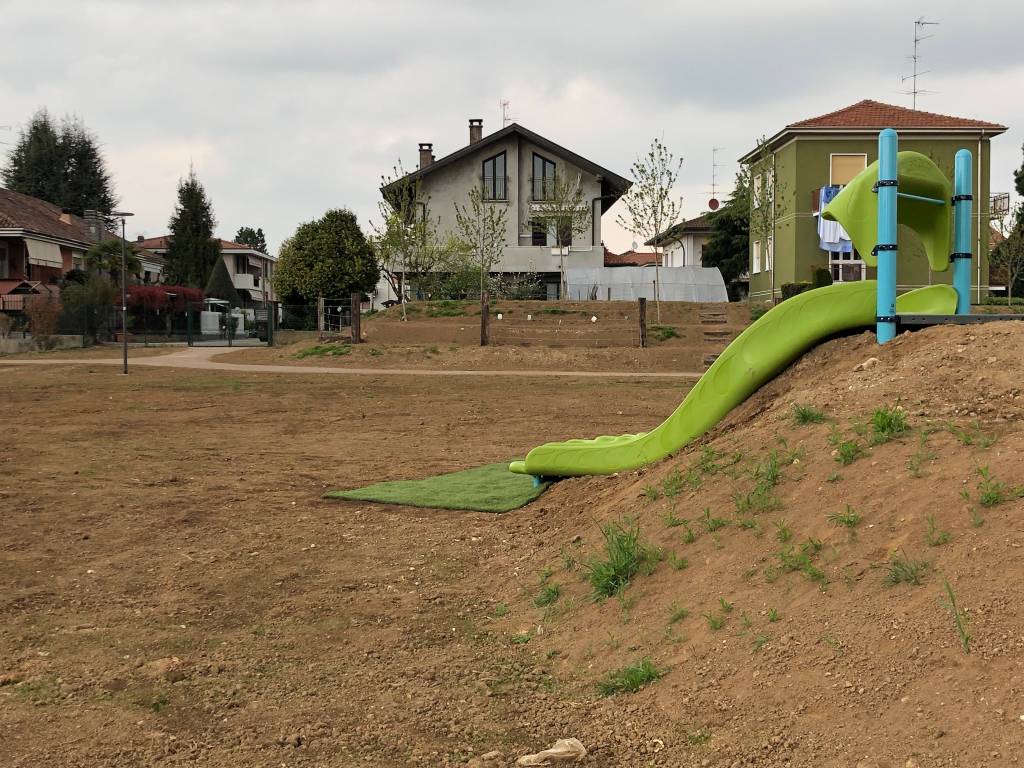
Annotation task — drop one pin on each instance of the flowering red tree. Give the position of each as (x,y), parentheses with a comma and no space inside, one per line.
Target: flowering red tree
(158,297)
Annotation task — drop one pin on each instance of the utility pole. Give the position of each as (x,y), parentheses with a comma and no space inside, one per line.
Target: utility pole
(919,24)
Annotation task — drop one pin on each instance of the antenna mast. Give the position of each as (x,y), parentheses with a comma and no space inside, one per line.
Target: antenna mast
(919,24)
(506,118)
(715,165)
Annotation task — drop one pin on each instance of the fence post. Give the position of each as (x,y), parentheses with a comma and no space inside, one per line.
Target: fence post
(356,322)
(642,315)
(320,318)
(485,318)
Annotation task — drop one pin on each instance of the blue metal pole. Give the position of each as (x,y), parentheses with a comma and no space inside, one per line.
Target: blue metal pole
(961,256)
(885,306)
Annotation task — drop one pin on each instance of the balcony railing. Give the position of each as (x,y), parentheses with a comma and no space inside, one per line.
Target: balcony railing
(494,188)
(542,190)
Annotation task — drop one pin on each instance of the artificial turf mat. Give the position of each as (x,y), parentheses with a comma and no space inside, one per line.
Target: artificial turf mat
(491,488)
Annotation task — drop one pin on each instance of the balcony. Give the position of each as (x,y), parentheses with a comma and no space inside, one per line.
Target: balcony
(246,282)
(494,189)
(542,190)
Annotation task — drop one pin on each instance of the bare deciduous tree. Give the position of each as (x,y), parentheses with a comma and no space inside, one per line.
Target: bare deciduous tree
(1008,256)
(651,207)
(566,212)
(481,231)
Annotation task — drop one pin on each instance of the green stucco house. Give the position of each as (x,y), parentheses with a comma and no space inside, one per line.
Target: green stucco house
(795,172)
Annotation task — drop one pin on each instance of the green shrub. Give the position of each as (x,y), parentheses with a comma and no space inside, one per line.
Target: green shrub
(789,290)
(624,555)
(822,277)
(663,332)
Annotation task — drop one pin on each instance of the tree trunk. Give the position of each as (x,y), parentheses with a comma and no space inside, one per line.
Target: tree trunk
(485,318)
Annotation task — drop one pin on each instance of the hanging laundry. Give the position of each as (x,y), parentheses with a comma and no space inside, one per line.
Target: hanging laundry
(831,235)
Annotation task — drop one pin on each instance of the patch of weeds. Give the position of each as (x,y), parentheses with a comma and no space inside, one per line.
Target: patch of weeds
(159,702)
(934,536)
(757,501)
(650,563)
(792,559)
(446,309)
(923,454)
(887,424)
(652,492)
(663,332)
(548,596)
(259,631)
(848,519)
(848,451)
(773,615)
(626,604)
(41,691)
(715,623)
(702,735)
(771,574)
(546,573)
(624,554)
(782,531)
(991,492)
(767,473)
(676,614)
(376,351)
(500,610)
(835,436)
(324,350)
(813,546)
(522,638)
(568,559)
(976,519)
(746,523)
(670,519)
(679,563)
(726,606)
(807,414)
(745,620)
(672,485)
(712,524)
(835,477)
(672,636)
(759,642)
(629,679)
(693,478)
(689,537)
(707,463)
(903,569)
(960,618)
(974,437)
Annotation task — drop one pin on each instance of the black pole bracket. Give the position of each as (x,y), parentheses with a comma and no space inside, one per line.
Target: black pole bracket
(958,198)
(883,247)
(886,319)
(955,256)
(884,183)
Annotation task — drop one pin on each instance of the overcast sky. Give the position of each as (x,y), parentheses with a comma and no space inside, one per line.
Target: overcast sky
(286,109)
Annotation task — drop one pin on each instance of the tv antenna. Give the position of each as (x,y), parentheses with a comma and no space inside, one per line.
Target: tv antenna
(506,118)
(919,25)
(715,165)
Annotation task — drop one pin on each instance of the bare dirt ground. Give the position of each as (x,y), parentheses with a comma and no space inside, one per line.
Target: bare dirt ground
(98,351)
(178,593)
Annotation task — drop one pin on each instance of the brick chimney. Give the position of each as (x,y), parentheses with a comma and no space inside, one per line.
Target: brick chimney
(426,154)
(139,238)
(65,215)
(476,129)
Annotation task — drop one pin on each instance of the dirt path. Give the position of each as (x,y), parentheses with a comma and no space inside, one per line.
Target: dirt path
(201,358)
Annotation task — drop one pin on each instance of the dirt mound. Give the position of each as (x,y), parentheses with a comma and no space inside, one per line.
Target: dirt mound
(791,578)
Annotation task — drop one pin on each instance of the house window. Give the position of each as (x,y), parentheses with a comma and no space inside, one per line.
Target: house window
(543,178)
(846,267)
(241,263)
(843,168)
(757,191)
(538,233)
(494,178)
(756,266)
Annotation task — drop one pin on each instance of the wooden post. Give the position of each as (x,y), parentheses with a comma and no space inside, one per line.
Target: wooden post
(485,318)
(357,317)
(642,314)
(320,318)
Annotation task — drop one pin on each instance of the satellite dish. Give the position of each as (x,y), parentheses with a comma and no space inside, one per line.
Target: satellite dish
(635,245)
(713,204)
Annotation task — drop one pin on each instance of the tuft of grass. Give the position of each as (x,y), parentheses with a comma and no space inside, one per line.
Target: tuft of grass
(672,485)
(522,638)
(624,555)
(759,642)
(707,463)
(652,492)
(903,569)
(726,606)
(689,537)
(629,679)
(848,451)
(500,610)
(663,332)
(679,563)
(712,524)
(991,492)
(960,618)
(888,423)
(548,596)
(746,523)
(670,519)
(782,531)
(715,623)
(934,536)
(806,414)
(677,614)
(976,519)
(324,350)
(847,519)
(773,615)
(767,473)
(923,454)
(835,477)
(758,501)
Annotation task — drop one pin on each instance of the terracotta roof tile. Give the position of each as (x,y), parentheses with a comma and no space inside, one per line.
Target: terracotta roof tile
(629,259)
(875,114)
(18,211)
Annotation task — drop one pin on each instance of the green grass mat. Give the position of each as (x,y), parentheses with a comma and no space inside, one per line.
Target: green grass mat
(491,488)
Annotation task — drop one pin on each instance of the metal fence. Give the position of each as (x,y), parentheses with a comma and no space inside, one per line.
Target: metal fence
(219,324)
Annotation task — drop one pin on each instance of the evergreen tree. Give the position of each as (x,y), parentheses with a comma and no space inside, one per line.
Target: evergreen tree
(35,165)
(1018,178)
(193,249)
(329,257)
(60,165)
(219,286)
(254,238)
(728,246)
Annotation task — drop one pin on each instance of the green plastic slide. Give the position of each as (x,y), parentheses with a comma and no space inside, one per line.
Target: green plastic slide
(756,356)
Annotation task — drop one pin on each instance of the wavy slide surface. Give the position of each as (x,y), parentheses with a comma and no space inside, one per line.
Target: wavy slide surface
(757,355)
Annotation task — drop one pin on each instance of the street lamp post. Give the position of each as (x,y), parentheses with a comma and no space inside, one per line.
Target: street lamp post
(124,289)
